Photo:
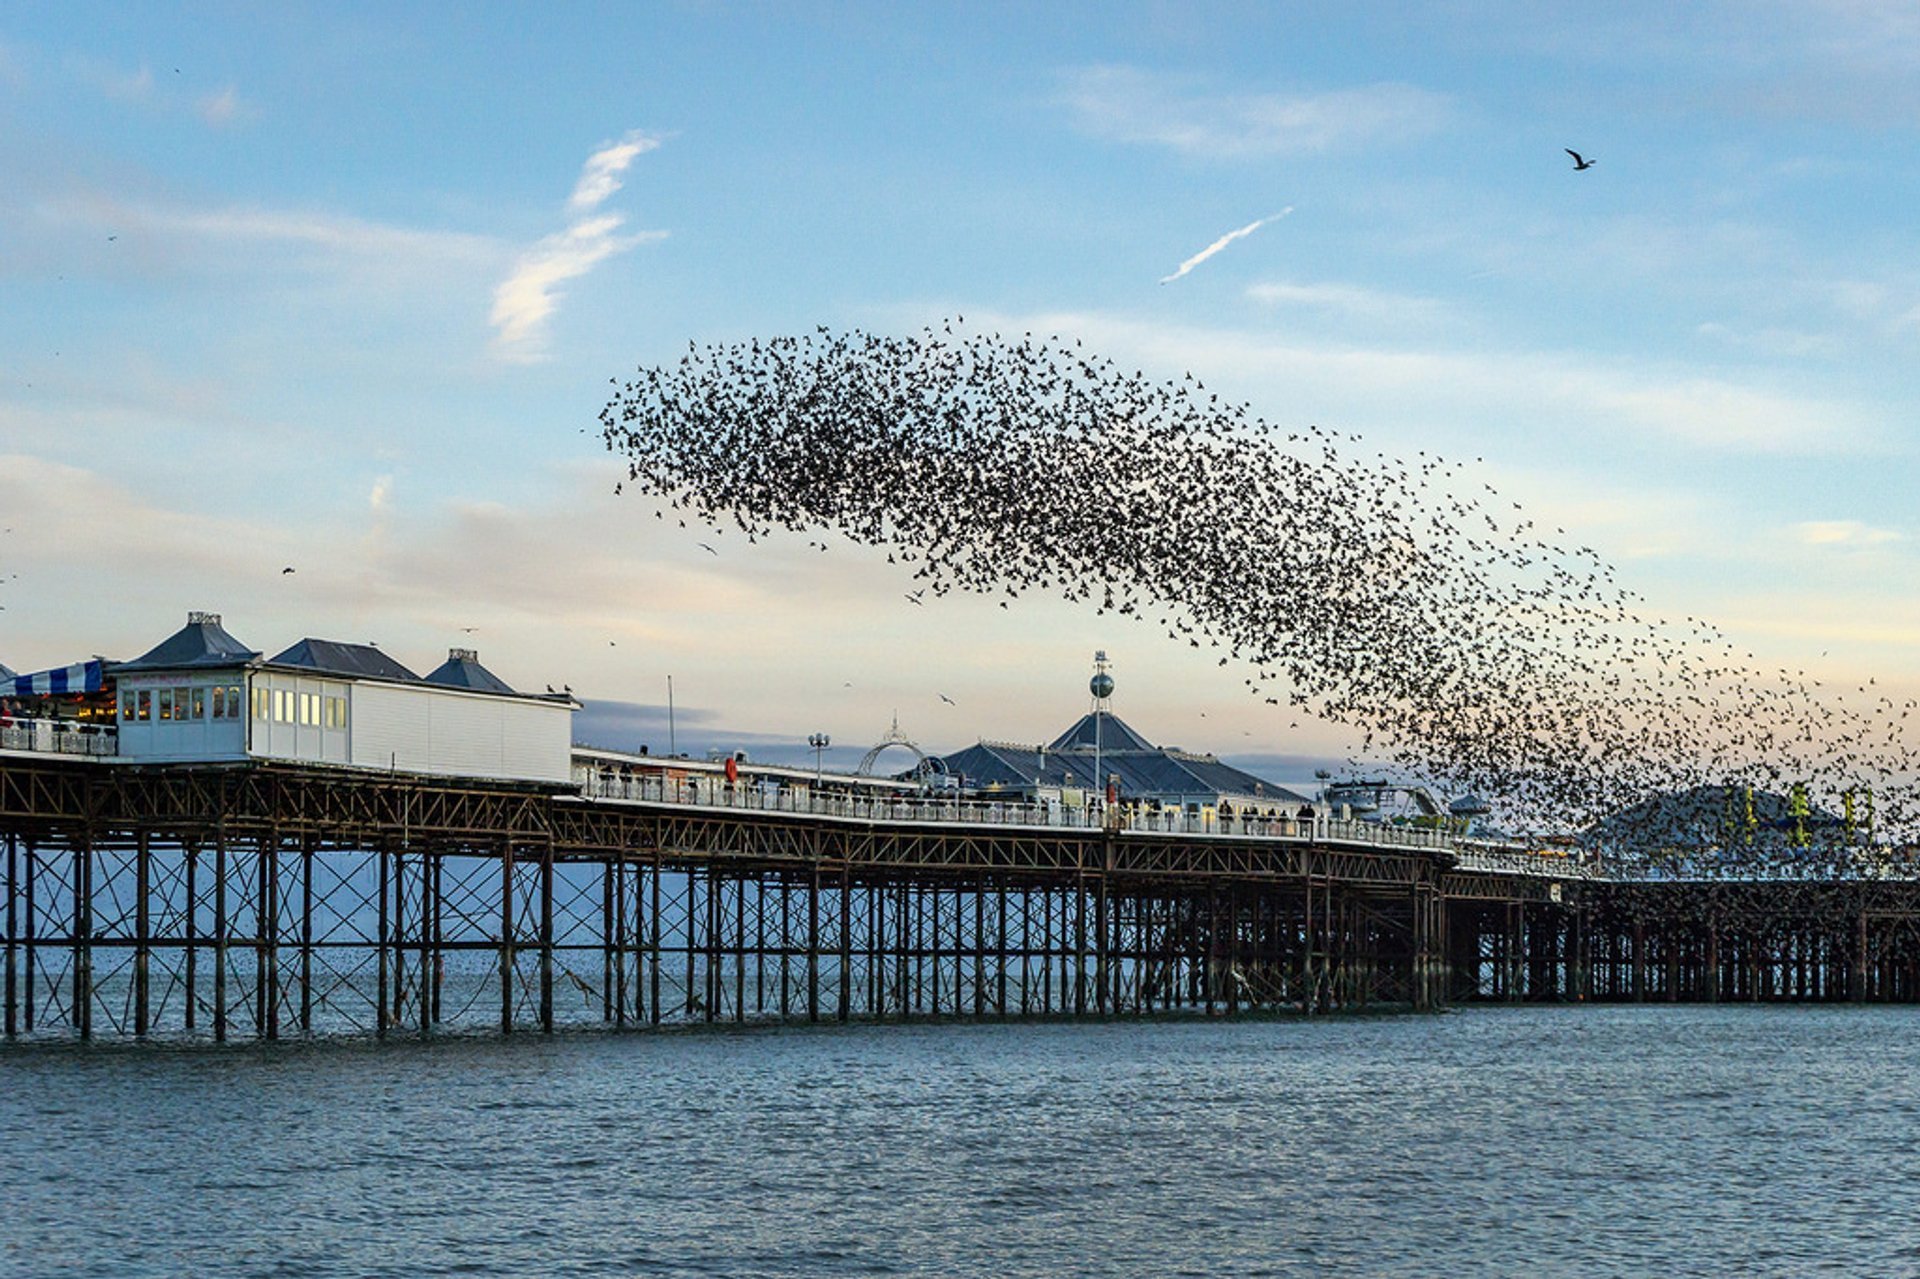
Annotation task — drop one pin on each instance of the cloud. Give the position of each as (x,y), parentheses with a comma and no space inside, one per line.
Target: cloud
(121,86)
(1771,340)
(1469,392)
(220,108)
(523,302)
(1125,104)
(600,177)
(1222,243)
(1843,533)
(330,231)
(1351,300)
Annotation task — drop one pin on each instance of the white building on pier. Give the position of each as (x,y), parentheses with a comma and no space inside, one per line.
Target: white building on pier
(201,695)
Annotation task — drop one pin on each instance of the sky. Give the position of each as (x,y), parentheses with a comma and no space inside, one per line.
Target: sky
(343,288)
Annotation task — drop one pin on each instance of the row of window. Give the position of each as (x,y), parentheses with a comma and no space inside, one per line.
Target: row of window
(182,703)
(284,706)
(276,705)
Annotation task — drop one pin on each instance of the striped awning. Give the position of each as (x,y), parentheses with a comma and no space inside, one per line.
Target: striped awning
(81,677)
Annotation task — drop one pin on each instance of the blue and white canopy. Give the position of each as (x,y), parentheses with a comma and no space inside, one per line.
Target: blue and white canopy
(81,677)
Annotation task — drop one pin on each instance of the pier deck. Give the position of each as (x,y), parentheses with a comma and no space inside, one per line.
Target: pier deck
(262,899)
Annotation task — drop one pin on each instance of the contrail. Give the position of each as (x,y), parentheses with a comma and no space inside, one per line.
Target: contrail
(1222,243)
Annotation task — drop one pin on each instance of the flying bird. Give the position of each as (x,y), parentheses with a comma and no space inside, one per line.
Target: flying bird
(1462,642)
(1579,161)
(288,569)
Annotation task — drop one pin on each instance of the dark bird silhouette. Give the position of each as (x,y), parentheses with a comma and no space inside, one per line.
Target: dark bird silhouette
(1579,161)
(288,569)
(1405,600)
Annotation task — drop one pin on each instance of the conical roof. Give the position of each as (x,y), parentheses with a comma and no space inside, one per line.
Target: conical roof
(462,669)
(201,642)
(1101,730)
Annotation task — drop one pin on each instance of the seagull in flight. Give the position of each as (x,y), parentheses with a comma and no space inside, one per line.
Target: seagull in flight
(1579,161)
(948,700)
(708,549)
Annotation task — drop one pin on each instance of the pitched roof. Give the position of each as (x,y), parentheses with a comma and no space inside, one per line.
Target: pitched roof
(201,642)
(5,671)
(363,660)
(1148,772)
(1103,728)
(462,669)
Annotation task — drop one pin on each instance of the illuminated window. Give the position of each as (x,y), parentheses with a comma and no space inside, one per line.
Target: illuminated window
(146,705)
(282,706)
(262,703)
(336,712)
(310,709)
(199,703)
(166,703)
(126,706)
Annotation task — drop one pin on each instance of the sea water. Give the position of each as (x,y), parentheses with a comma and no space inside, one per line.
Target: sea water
(1649,1140)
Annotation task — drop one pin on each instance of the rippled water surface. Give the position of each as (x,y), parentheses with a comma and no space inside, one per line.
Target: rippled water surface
(1516,1141)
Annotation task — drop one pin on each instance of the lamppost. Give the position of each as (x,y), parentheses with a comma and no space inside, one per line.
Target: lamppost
(1101,686)
(819,742)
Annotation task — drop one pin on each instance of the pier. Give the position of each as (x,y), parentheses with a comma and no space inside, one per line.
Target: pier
(264,899)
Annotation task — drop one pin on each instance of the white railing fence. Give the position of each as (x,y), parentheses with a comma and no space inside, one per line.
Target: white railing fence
(716,793)
(58,737)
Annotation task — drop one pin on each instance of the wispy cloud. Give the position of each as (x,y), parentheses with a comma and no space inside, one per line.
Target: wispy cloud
(220,108)
(260,238)
(1468,391)
(523,302)
(600,177)
(164,93)
(1372,305)
(1222,243)
(1843,533)
(1125,104)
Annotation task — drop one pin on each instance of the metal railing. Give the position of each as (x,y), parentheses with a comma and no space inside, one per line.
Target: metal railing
(752,797)
(1504,861)
(58,737)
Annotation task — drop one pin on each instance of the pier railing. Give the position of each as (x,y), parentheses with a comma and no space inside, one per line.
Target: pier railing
(58,737)
(701,793)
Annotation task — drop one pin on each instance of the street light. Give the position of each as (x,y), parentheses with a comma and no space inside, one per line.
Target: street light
(819,742)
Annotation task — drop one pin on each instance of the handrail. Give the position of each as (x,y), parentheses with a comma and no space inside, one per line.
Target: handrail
(716,793)
(59,737)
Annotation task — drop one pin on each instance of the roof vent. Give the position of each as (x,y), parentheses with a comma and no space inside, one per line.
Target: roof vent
(463,655)
(203,619)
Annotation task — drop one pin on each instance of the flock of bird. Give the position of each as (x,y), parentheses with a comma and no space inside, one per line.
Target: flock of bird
(1466,646)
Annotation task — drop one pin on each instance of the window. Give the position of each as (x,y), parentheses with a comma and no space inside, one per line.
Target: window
(282,706)
(126,706)
(262,703)
(199,703)
(336,712)
(310,709)
(166,703)
(146,705)
(226,702)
